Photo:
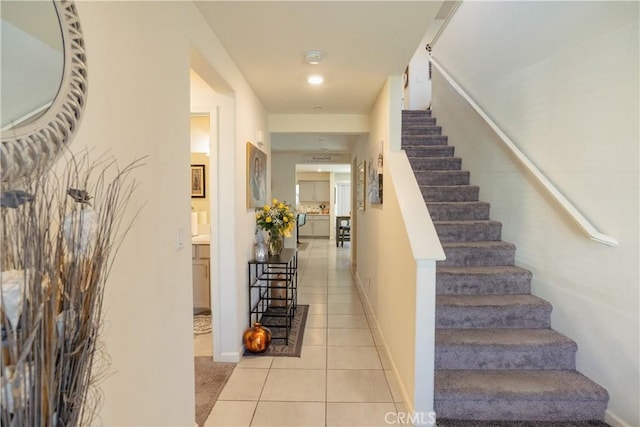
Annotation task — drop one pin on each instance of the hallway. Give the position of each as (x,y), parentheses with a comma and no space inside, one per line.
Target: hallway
(342,377)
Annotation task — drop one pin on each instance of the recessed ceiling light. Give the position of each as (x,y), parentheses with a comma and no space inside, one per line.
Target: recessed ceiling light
(315,80)
(319,170)
(313,57)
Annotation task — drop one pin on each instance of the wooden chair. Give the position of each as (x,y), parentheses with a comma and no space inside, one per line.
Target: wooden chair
(344,232)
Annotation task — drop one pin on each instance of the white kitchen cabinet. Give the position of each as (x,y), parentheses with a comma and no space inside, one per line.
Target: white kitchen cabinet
(201,278)
(321,226)
(316,226)
(314,191)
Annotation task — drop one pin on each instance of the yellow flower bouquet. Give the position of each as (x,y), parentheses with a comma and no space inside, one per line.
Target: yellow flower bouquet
(278,219)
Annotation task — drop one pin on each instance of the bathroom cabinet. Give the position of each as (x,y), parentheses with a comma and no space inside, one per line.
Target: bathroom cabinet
(200,255)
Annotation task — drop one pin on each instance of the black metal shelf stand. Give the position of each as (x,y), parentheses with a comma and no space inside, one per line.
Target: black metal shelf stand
(273,292)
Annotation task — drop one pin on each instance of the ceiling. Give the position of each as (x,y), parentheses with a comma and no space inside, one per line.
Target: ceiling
(363,42)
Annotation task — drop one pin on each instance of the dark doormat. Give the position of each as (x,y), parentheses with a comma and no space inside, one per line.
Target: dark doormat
(276,326)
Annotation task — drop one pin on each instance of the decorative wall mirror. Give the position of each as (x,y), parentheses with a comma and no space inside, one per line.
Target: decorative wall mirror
(44,84)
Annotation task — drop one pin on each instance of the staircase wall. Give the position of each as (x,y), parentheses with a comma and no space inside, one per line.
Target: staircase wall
(570,103)
(398,287)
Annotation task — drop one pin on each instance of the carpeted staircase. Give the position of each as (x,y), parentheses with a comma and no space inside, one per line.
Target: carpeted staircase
(496,356)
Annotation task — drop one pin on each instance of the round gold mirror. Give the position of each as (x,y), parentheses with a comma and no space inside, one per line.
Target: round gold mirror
(44,84)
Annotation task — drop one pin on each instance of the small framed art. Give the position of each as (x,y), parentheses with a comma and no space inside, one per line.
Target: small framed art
(198,182)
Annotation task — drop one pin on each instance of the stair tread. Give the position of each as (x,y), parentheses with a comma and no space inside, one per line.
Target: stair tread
(463,221)
(482,270)
(451,187)
(434,147)
(490,300)
(480,244)
(543,385)
(501,337)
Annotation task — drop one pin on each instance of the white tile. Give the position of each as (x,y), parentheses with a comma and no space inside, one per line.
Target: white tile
(394,387)
(356,385)
(310,358)
(316,321)
(312,299)
(361,414)
(384,358)
(312,290)
(261,362)
(377,337)
(317,309)
(349,337)
(353,358)
(244,384)
(289,414)
(342,290)
(343,298)
(345,308)
(231,413)
(356,321)
(314,337)
(295,385)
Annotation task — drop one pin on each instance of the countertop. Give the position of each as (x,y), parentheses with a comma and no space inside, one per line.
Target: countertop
(201,239)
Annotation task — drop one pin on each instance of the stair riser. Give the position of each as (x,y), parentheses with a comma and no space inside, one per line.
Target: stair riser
(467,284)
(468,232)
(450,194)
(557,357)
(435,163)
(442,177)
(508,317)
(408,123)
(422,130)
(430,151)
(415,140)
(458,211)
(476,256)
(415,113)
(520,409)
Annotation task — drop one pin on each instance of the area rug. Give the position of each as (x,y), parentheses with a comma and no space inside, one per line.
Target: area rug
(201,324)
(276,326)
(211,378)
(302,246)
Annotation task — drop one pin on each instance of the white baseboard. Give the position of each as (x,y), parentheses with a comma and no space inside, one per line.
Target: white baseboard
(406,400)
(232,356)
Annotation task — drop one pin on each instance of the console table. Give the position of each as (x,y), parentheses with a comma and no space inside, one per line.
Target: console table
(273,292)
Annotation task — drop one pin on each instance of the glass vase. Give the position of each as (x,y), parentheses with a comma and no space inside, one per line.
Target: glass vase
(276,243)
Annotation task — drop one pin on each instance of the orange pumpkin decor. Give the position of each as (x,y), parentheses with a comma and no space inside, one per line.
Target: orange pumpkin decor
(257,338)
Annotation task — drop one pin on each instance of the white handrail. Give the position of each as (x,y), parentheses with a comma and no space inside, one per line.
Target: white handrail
(577,217)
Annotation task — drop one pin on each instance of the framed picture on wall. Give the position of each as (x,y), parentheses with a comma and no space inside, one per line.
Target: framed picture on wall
(360,185)
(256,177)
(198,182)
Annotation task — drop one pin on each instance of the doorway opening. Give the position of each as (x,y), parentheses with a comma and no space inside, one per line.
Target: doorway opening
(323,193)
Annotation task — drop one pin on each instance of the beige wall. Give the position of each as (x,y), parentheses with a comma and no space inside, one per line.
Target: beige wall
(568,98)
(139,105)
(386,269)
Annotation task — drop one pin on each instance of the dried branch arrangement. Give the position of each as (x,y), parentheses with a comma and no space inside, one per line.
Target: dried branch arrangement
(59,233)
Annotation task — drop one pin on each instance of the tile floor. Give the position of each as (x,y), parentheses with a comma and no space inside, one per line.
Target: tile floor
(342,377)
